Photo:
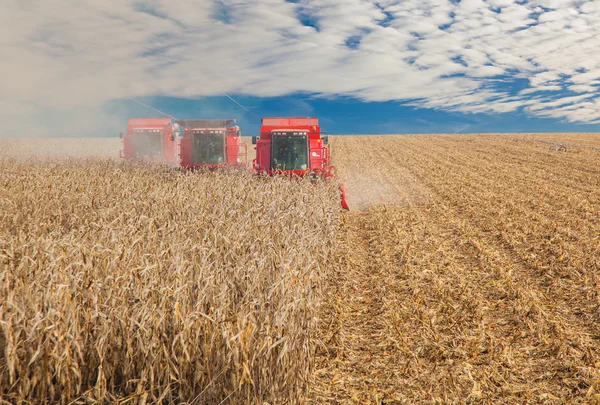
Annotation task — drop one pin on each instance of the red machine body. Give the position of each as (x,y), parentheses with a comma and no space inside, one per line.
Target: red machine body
(152,139)
(212,144)
(292,146)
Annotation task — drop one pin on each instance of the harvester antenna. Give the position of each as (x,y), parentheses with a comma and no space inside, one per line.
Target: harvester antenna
(170,116)
(152,108)
(231,98)
(462,129)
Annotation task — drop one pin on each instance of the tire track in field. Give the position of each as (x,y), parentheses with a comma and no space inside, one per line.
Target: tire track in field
(352,365)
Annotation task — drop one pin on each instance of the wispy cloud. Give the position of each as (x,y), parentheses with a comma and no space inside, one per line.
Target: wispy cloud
(438,54)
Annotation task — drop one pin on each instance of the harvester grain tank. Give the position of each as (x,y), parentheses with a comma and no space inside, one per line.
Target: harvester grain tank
(211,144)
(151,139)
(294,146)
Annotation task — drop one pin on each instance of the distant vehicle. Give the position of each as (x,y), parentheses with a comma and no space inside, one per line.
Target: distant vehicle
(151,139)
(211,144)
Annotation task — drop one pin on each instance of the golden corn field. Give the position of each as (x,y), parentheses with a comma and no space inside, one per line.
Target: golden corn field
(466,272)
(135,283)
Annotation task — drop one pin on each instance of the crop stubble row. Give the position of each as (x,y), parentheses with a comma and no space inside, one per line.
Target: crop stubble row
(478,282)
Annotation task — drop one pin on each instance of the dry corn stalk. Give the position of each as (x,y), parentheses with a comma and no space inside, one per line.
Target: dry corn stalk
(144,283)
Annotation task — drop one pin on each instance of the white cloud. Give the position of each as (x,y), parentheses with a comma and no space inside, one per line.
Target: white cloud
(500,3)
(65,54)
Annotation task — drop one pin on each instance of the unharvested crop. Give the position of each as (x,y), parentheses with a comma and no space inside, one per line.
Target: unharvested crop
(143,283)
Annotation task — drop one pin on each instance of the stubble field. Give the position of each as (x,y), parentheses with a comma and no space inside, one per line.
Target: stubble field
(466,272)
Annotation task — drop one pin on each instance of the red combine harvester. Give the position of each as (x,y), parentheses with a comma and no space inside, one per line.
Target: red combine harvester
(294,147)
(212,144)
(153,139)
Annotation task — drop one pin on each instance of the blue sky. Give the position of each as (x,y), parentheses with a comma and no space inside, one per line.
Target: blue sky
(344,115)
(361,66)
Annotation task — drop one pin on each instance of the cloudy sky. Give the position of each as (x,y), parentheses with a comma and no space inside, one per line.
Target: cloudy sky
(387,66)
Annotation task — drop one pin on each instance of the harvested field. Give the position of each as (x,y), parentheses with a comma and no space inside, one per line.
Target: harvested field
(476,282)
(466,272)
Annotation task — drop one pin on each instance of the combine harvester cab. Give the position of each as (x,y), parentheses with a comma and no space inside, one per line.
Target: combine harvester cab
(294,147)
(212,144)
(151,139)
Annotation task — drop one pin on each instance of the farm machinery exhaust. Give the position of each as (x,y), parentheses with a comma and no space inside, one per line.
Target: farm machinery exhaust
(293,147)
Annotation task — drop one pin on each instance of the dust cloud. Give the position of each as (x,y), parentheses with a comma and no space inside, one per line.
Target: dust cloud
(59,148)
(367,189)
(373,175)
(35,131)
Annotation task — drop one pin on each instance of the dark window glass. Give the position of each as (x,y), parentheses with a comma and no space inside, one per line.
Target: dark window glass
(290,152)
(209,149)
(147,144)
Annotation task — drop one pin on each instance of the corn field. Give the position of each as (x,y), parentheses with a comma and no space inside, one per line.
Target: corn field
(466,272)
(138,284)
